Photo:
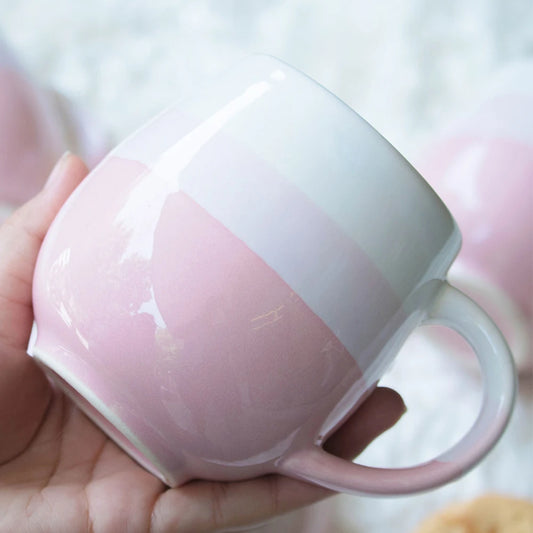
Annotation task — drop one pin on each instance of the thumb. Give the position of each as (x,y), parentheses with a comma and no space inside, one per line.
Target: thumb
(21,237)
(24,392)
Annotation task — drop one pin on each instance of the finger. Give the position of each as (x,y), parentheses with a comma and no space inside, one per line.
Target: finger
(202,506)
(20,240)
(380,411)
(24,391)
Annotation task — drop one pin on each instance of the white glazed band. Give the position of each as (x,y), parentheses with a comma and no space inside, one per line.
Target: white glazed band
(245,160)
(332,179)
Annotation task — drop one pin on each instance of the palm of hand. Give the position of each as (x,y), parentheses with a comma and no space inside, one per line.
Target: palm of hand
(59,472)
(71,475)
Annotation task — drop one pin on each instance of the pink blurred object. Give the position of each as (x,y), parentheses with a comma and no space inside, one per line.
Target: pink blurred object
(36,126)
(482,167)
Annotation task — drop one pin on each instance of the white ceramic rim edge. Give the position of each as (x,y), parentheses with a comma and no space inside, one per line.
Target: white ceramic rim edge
(149,461)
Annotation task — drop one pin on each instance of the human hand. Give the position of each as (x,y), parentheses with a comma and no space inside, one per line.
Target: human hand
(60,473)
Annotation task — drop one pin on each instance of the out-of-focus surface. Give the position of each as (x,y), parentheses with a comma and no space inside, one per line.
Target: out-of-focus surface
(408,66)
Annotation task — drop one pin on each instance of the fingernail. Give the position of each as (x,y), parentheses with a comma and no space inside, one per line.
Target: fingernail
(57,170)
(404,410)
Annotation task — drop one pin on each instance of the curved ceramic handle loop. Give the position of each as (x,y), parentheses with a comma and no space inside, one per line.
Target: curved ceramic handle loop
(455,310)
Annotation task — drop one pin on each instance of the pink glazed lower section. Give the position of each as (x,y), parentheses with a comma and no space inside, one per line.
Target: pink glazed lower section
(187,348)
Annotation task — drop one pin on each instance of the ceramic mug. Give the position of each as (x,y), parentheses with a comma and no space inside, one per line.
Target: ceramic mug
(482,167)
(232,281)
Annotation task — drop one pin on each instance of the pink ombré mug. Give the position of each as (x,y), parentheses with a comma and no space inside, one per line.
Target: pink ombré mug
(37,125)
(482,166)
(232,281)
(31,138)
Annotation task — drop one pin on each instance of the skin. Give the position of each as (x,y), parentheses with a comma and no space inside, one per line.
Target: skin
(60,473)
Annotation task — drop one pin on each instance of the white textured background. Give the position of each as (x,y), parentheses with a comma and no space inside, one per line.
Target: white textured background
(403,64)
(407,66)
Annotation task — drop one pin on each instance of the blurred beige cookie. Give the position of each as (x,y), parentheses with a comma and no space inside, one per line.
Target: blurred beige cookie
(487,514)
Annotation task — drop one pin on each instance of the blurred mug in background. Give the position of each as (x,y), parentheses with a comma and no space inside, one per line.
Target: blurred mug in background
(482,167)
(36,126)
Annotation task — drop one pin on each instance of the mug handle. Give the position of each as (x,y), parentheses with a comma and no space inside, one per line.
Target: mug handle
(453,309)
